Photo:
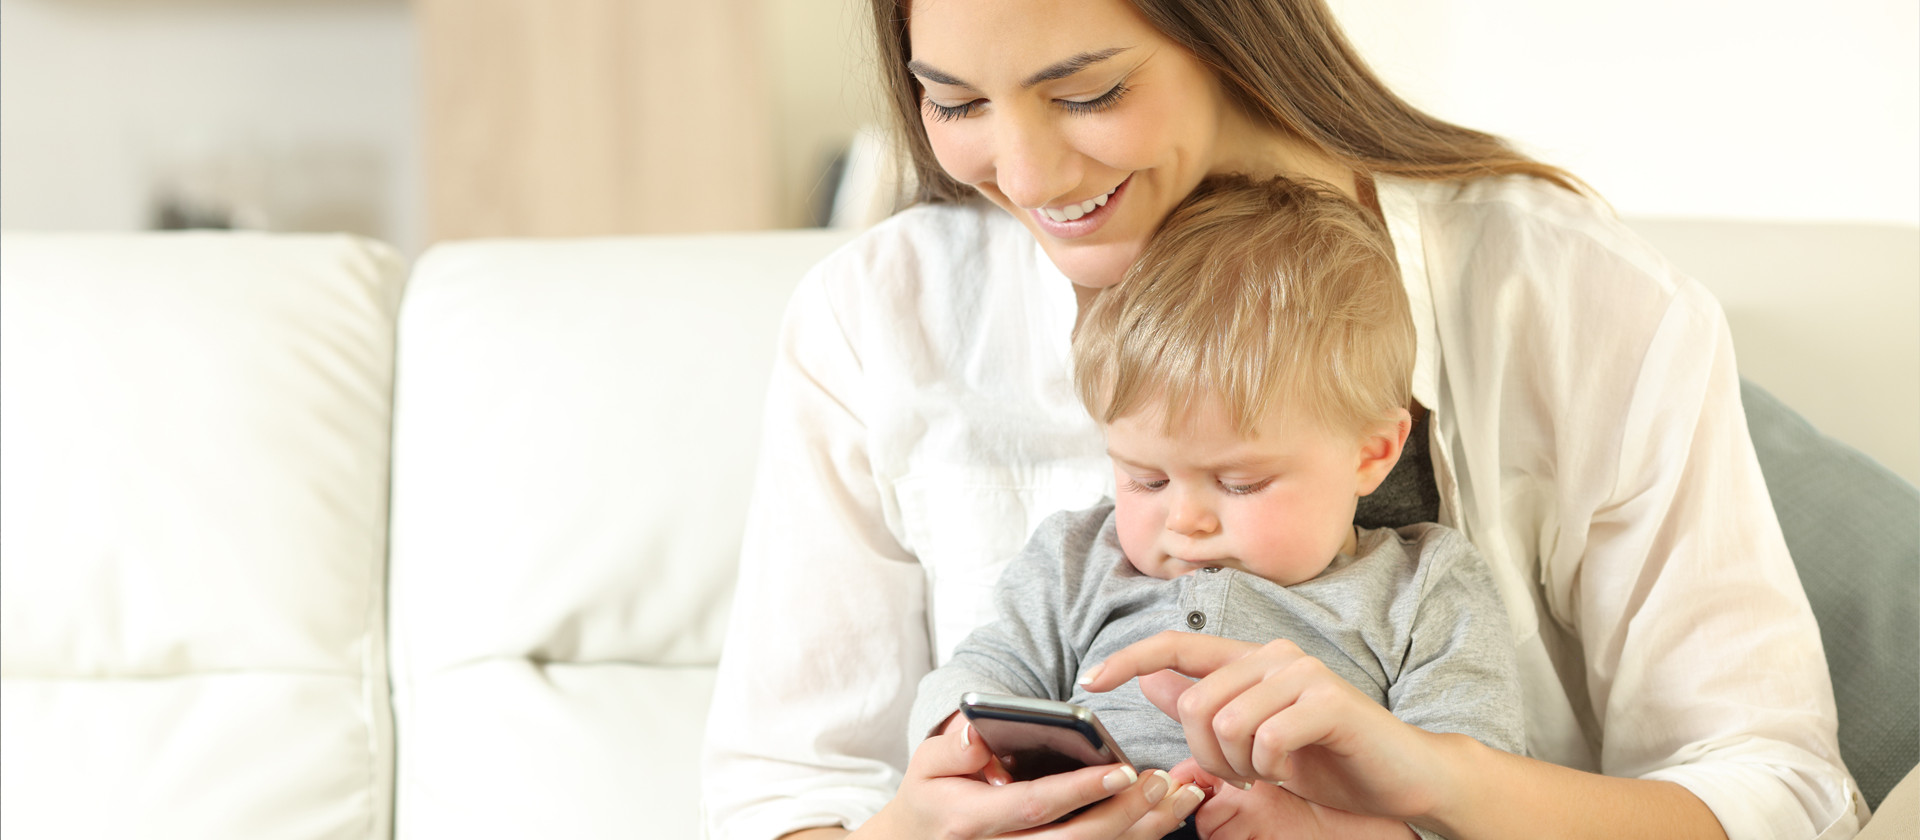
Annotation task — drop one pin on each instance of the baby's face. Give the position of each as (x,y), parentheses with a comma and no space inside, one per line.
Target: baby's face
(1278,504)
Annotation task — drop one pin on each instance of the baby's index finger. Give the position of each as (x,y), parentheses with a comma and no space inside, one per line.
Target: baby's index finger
(1192,654)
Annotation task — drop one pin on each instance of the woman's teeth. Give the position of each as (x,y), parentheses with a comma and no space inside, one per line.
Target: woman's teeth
(1075,211)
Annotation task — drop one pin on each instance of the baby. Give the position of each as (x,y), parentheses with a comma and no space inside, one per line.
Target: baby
(1252,377)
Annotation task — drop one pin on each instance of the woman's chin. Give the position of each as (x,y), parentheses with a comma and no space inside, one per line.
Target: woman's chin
(1092,266)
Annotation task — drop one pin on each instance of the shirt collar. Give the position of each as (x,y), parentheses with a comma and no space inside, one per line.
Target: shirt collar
(1401,207)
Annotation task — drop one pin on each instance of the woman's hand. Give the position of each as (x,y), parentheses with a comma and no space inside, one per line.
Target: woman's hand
(945,795)
(1272,713)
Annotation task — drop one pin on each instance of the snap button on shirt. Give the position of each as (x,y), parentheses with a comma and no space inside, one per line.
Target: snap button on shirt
(1196,619)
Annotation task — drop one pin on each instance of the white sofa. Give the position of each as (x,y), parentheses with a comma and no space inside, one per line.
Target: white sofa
(301,543)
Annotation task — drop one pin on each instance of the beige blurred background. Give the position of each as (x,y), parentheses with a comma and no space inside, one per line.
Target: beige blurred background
(418,121)
(432,119)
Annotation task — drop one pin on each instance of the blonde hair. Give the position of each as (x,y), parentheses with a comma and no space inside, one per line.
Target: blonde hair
(1258,294)
(1286,64)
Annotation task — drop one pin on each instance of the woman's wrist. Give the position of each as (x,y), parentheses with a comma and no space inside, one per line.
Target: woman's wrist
(884,825)
(1459,762)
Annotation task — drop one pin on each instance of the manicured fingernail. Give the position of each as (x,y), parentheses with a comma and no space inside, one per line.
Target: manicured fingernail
(966,735)
(1092,672)
(1243,785)
(1158,783)
(1191,796)
(1119,779)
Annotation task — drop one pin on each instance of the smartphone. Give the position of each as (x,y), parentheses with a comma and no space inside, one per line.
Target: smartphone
(1034,738)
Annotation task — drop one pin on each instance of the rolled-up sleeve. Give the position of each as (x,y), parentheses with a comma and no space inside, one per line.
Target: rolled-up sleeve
(1704,664)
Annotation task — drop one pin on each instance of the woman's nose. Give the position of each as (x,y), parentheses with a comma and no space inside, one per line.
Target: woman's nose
(1033,165)
(1190,516)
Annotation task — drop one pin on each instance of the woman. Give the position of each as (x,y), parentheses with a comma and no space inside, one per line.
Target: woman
(1583,416)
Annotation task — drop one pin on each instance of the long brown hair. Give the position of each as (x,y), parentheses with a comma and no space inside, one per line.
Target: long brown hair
(1285,62)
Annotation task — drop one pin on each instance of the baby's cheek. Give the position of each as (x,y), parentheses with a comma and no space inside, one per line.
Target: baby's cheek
(1137,530)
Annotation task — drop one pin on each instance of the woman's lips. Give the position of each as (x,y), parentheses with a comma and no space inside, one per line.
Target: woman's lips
(1087,223)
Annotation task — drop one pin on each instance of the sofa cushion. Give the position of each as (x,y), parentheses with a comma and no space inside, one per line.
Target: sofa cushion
(575,432)
(192,581)
(1854,530)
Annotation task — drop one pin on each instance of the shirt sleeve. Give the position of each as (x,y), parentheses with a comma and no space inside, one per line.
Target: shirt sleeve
(1459,675)
(827,636)
(1703,661)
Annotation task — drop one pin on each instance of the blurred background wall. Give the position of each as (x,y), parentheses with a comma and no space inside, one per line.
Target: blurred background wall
(412,121)
(290,115)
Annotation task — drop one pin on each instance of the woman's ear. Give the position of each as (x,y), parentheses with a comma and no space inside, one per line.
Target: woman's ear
(1380,449)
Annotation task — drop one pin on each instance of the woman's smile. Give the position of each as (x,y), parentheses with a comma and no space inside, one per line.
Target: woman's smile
(1076,219)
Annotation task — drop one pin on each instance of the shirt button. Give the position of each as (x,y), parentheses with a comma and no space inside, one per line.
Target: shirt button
(1196,619)
(1210,569)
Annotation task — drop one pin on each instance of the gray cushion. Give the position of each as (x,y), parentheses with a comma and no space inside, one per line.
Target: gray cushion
(1854,530)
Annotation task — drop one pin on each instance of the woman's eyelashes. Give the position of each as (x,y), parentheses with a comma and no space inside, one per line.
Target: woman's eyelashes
(943,113)
(1098,103)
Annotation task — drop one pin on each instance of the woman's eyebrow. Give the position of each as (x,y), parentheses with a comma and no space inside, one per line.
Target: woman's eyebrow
(1072,65)
(1057,70)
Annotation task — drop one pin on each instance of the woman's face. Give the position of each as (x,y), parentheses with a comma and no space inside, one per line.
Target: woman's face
(1080,119)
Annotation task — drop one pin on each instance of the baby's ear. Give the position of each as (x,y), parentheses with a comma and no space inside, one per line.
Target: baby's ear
(1380,449)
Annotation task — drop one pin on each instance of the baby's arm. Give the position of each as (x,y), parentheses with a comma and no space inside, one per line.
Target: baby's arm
(1033,646)
(1460,675)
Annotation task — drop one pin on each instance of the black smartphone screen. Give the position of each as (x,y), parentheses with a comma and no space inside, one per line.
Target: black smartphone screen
(1035,738)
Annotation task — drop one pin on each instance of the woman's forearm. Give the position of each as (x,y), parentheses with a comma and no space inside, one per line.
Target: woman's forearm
(1495,795)
(834,833)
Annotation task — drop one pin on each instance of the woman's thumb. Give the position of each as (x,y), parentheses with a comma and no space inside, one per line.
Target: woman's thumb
(956,751)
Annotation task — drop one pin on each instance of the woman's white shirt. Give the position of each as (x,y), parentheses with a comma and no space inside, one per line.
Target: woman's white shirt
(1588,437)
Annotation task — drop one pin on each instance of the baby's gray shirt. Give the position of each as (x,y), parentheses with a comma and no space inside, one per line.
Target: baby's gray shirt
(1413,621)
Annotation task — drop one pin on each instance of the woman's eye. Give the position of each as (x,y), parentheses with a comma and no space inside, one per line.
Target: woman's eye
(1135,485)
(1246,489)
(1098,103)
(942,113)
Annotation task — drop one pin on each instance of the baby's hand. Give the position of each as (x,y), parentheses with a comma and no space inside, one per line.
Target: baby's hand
(1268,811)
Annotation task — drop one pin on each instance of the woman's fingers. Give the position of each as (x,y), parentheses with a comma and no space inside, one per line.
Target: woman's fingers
(1221,712)
(1288,708)
(1241,687)
(943,795)
(1193,654)
(1022,805)
(1179,805)
(1163,689)
(1146,811)
(956,751)
(1320,715)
